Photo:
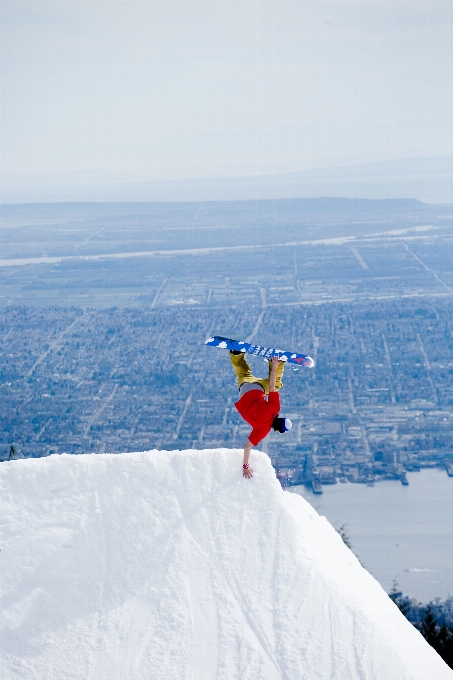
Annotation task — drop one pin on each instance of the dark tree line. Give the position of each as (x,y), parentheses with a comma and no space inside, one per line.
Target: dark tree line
(438,635)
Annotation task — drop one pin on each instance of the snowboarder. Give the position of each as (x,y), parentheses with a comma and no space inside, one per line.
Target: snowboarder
(262,415)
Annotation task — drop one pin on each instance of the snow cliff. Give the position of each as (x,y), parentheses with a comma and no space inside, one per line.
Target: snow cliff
(171,566)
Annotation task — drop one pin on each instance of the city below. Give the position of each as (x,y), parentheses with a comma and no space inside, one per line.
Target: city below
(105,310)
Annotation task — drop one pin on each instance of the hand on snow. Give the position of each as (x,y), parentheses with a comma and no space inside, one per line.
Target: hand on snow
(247,471)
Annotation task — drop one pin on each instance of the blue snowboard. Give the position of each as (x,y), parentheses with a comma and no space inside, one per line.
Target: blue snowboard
(246,347)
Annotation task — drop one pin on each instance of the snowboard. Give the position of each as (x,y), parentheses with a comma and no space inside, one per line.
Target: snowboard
(257,350)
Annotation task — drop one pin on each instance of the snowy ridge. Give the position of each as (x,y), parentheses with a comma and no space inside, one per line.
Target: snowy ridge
(170,565)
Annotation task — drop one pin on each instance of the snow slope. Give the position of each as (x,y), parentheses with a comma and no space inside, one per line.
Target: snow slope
(170,565)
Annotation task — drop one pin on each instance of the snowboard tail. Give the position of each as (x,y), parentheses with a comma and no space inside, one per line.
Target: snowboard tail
(257,350)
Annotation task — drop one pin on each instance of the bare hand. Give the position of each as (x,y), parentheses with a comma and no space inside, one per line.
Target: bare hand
(247,472)
(274,362)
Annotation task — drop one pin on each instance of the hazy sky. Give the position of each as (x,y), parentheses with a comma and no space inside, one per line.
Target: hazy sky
(178,89)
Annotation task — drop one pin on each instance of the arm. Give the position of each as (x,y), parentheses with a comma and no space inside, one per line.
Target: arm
(247,471)
(273,374)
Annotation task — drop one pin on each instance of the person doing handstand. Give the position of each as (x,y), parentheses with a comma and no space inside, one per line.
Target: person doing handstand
(260,414)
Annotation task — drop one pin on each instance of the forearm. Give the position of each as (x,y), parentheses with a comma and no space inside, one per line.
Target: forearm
(246,469)
(273,379)
(247,449)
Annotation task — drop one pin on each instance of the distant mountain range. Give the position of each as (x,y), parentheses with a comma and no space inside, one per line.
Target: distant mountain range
(426,179)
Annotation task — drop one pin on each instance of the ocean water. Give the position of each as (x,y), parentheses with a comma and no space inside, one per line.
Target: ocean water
(402,533)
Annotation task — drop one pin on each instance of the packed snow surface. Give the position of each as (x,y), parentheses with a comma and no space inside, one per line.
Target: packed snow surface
(170,565)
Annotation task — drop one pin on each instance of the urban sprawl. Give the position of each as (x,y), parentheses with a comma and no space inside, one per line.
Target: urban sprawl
(105,310)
